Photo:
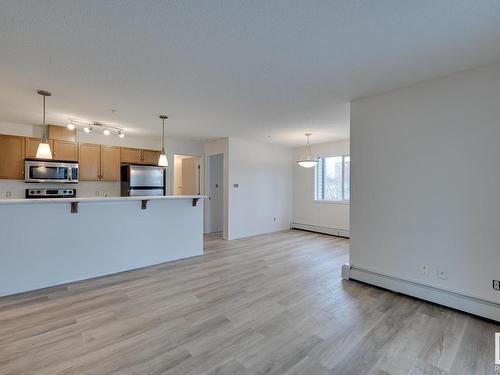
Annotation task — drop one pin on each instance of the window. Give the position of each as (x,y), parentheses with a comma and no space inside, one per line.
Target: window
(333,179)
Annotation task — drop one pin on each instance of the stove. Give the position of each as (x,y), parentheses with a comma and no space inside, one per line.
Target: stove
(50,193)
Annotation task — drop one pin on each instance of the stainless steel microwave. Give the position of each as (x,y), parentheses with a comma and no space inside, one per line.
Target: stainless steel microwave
(50,171)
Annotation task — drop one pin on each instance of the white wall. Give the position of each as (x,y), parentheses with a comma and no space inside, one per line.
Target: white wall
(87,189)
(328,216)
(262,201)
(425,182)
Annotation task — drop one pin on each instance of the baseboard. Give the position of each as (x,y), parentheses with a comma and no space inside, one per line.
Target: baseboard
(472,305)
(320,229)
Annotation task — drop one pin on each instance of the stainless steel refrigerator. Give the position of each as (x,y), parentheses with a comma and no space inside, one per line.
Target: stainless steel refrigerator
(139,180)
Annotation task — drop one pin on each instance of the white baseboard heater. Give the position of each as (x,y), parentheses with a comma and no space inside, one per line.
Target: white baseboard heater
(320,229)
(472,305)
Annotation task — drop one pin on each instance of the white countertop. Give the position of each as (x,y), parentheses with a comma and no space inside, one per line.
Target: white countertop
(99,199)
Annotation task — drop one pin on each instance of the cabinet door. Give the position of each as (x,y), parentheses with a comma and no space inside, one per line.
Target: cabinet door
(12,151)
(89,164)
(32,146)
(64,150)
(62,133)
(150,157)
(110,163)
(131,155)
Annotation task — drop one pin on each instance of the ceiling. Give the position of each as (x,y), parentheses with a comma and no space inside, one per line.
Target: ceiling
(263,70)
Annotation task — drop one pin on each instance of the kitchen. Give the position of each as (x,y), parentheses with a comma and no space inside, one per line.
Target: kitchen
(96,205)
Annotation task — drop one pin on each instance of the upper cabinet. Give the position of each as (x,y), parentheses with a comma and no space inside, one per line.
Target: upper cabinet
(150,157)
(99,162)
(63,145)
(63,150)
(96,162)
(139,156)
(131,155)
(62,133)
(89,164)
(110,163)
(12,154)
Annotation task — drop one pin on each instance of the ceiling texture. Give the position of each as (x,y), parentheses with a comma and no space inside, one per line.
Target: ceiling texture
(261,70)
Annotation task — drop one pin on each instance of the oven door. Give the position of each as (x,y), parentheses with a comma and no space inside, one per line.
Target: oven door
(43,171)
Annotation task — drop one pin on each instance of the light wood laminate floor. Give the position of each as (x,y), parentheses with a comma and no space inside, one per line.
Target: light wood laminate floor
(271,304)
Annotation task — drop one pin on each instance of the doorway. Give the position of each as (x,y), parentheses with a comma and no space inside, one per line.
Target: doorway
(186,175)
(215,192)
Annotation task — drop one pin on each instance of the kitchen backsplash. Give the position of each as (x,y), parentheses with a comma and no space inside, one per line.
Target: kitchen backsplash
(15,189)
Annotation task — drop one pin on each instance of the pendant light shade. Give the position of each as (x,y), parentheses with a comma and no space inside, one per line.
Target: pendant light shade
(308,161)
(43,151)
(163,161)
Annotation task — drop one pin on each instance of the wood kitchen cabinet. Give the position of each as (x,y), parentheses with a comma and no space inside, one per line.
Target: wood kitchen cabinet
(131,155)
(110,163)
(61,150)
(139,156)
(32,146)
(150,157)
(12,154)
(64,150)
(62,133)
(99,162)
(89,163)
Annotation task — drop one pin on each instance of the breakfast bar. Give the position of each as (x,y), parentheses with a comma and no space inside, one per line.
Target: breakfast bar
(47,242)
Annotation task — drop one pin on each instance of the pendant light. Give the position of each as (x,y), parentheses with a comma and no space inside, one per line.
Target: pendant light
(43,151)
(308,161)
(163,161)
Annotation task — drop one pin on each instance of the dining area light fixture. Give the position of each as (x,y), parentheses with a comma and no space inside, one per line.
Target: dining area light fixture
(307,161)
(89,127)
(163,161)
(43,151)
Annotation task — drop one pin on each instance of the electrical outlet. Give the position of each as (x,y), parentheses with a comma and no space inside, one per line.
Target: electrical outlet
(496,284)
(424,269)
(274,219)
(8,194)
(442,273)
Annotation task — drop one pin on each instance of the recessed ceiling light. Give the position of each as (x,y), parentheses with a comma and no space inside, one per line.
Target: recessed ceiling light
(106,132)
(121,134)
(71,126)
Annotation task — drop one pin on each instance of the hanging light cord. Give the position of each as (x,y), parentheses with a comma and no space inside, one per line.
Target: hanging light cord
(308,147)
(163,137)
(44,126)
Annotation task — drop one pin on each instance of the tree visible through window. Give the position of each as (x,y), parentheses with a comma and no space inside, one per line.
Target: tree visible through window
(333,178)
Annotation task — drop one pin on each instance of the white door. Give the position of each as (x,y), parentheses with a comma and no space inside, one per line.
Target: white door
(215,210)
(190,176)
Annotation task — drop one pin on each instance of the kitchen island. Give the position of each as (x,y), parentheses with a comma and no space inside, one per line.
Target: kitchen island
(47,242)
